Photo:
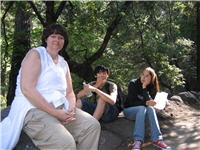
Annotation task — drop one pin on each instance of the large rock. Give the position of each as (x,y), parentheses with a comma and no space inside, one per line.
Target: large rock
(24,142)
(114,133)
(118,132)
(190,98)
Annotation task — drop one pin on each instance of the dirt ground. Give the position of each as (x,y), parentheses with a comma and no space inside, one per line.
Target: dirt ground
(180,126)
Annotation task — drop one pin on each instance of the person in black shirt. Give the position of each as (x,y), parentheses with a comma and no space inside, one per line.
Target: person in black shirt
(139,104)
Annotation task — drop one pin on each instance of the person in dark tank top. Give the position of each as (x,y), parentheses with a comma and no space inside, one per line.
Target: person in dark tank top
(101,102)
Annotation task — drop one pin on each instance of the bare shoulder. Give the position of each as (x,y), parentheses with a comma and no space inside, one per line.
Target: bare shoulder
(32,54)
(32,57)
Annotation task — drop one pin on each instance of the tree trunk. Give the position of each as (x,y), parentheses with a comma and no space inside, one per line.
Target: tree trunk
(50,15)
(20,47)
(198,45)
(4,63)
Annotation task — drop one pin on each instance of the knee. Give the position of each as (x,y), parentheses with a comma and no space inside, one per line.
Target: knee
(101,104)
(63,142)
(94,124)
(150,109)
(79,103)
(141,109)
(67,142)
(68,145)
(141,112)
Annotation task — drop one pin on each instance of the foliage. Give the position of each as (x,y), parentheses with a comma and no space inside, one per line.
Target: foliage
(3,102)
(157,34)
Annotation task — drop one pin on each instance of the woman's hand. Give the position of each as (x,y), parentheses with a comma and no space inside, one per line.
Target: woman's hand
(71,111)
(65,116)
(145,83)
(71,117)
(150,103)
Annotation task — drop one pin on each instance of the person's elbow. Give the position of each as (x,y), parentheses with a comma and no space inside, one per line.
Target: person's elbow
(70,92)
(26,89)
(113,101)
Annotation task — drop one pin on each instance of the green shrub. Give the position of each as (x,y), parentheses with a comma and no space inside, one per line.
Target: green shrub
(3,102)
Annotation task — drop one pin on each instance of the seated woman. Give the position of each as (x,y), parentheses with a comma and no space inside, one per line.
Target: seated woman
(44,103)
(139,104)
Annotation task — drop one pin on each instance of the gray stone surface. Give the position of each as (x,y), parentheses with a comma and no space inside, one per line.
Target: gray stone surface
(114,133)
(24,142)
(117,135)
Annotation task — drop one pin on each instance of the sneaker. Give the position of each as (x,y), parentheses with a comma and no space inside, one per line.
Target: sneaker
(161,145)
(136,145)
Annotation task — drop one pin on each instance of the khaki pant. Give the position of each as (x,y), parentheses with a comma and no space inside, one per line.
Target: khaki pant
(47,133)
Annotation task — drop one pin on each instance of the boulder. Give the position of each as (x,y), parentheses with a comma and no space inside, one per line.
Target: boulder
(112,134)
(24,142)
(115,133)
(120,132)
(191,98)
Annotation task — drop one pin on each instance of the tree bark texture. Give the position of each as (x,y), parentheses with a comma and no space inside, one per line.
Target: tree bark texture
(20,47)
(4,60)
(198,45)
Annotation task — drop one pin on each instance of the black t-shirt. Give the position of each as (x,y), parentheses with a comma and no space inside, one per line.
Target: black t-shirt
(137,96)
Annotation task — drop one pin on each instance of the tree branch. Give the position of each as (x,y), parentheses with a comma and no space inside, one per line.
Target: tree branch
(37,13)
(85,70)
(60,8)
(110,29)
(4,29)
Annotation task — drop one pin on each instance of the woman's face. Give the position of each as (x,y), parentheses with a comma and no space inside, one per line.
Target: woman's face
(145,77)
(55,42)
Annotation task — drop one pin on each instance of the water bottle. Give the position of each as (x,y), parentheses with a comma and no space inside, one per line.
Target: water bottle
(89,93)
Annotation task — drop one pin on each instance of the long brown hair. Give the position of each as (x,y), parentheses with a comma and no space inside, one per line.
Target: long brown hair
(154,86)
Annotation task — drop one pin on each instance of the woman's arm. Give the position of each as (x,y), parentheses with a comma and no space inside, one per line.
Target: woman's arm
(149,100)
(70,92)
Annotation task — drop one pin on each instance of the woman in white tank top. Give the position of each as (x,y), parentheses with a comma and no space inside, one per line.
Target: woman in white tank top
(44,87)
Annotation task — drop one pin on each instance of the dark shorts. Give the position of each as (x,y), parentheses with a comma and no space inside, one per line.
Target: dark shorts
(110,114)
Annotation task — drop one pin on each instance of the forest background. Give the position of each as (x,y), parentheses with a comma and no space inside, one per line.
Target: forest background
(126,36)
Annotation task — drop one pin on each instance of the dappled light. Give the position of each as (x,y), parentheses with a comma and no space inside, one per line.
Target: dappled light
(125,36)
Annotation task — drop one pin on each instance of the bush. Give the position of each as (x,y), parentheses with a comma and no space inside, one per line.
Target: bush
(3,102)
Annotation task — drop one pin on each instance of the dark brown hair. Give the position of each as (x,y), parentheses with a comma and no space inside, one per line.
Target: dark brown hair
(101,68)
(54,29)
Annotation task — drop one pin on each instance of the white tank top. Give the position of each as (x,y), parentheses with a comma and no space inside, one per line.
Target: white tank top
(52,80)
(52,86)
